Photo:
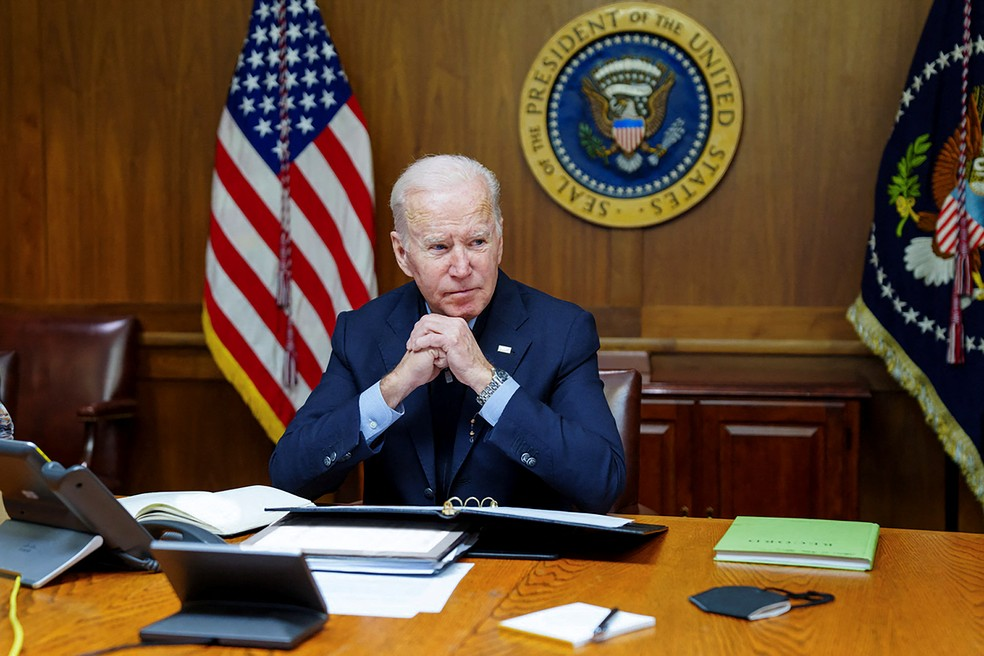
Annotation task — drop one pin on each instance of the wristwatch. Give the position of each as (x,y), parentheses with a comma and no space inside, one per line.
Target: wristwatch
(498,378)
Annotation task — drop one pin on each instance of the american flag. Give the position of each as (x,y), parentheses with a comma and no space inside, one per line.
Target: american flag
(291,238)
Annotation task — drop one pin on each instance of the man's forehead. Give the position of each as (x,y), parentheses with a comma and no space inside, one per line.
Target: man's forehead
(472,193)
(444,216)
(433,228)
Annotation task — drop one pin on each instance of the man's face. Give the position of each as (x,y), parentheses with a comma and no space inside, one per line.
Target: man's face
(452,249)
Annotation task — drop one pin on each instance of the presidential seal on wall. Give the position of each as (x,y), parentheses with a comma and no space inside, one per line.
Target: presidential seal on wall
(630,115)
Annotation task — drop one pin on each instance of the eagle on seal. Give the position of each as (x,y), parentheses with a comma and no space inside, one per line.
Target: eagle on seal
(629,113)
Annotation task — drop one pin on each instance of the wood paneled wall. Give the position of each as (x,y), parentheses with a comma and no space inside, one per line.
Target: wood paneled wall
(108,111)
(110,108)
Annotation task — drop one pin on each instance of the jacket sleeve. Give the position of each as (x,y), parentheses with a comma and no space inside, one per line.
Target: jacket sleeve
(323,442)
(558,424)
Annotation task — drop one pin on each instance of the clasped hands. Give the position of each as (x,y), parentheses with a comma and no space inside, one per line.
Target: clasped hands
(436,343)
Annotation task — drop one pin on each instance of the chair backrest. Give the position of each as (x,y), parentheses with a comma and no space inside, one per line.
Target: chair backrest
(8,380)
(69,367)
(623,389)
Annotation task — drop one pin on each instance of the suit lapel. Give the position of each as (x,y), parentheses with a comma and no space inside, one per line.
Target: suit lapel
(506,338)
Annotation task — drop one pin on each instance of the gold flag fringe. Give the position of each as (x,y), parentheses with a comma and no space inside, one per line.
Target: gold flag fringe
(264,414)
(956,442)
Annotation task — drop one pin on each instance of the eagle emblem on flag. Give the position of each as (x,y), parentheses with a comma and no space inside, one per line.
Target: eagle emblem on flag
(931,258)
(628,99)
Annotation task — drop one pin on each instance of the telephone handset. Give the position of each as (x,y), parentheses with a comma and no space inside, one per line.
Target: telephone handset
(176,530)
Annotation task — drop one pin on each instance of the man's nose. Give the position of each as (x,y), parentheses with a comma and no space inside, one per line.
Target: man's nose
(460,263)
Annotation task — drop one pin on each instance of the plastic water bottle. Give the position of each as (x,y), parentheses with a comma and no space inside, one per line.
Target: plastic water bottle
(6,424)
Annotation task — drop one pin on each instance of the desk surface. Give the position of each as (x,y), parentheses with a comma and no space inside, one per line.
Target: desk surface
(924,595)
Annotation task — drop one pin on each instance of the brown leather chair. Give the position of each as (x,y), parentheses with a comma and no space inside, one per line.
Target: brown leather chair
(8,381)
(623,389)
(76,395)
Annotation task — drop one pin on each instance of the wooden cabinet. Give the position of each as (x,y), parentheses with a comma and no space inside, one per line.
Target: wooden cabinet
(724,447)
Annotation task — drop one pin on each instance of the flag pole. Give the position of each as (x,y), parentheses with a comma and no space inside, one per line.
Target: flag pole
(961,273)
(284,279)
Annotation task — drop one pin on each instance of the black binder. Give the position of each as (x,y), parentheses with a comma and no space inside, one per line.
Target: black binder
(507,532)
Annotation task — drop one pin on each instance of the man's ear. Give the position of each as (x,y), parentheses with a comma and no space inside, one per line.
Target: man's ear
(400,252)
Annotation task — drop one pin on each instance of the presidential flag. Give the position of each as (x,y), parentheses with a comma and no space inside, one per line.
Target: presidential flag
(921,306)
(290,243)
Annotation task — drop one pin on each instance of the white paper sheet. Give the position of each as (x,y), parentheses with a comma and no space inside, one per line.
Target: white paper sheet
(375,595)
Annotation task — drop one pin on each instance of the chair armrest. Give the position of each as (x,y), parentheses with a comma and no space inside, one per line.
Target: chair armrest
(112,409)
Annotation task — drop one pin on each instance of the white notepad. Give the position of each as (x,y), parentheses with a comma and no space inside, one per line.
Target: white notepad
(575,623)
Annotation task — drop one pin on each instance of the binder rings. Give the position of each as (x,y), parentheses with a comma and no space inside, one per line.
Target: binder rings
(513,532)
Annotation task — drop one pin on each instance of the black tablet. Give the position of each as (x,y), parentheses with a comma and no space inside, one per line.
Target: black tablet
(235,596)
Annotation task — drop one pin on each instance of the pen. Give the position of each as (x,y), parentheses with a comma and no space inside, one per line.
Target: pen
(603,625)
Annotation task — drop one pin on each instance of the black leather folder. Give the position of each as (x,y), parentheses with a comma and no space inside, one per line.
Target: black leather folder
(509,532)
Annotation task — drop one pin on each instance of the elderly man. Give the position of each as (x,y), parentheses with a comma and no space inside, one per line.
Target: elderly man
(462,382)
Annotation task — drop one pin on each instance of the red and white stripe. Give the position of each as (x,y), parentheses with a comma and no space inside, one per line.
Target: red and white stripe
(629,138)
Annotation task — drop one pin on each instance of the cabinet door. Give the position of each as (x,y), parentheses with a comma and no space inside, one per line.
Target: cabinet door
(779,458)
(666,455)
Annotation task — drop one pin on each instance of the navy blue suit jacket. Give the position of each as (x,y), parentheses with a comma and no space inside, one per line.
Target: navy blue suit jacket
(556,444)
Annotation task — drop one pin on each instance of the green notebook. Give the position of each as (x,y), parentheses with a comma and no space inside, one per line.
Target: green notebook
(828,543)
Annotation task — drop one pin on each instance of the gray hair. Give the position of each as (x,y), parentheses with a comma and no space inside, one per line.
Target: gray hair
(434,173)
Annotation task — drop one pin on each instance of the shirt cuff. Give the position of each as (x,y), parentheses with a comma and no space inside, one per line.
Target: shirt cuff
(375,415)
(494,407)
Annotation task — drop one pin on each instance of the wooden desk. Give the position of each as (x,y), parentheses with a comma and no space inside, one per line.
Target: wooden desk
(924,596)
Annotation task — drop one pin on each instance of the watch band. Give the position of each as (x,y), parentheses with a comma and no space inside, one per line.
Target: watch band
(498,378)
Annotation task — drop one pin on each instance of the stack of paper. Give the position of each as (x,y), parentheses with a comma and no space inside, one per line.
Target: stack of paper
(374,547)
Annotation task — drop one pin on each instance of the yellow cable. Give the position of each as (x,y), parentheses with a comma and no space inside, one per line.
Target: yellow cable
(15,648)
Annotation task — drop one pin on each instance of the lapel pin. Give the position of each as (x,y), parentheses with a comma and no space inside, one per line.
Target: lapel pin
(505,349)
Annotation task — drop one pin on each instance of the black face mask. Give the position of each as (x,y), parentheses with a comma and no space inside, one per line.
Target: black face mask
(751,603)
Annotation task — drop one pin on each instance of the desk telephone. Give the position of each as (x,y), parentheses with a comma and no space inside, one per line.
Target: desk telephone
(43,493)
(97,508)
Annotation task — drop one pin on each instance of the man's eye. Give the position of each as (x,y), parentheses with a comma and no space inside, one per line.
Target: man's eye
(479,242)
(438,247)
